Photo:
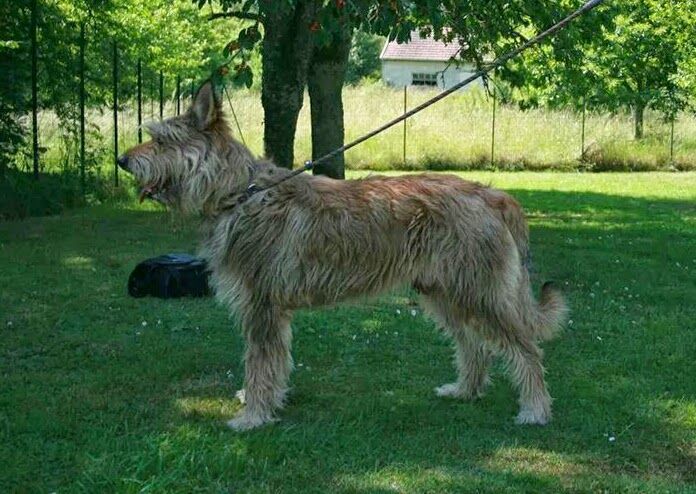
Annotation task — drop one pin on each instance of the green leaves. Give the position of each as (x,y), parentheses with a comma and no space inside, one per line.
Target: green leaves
(243,75)
(248,37)
(627,54)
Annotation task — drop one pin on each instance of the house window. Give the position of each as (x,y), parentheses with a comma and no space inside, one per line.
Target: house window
(423,79)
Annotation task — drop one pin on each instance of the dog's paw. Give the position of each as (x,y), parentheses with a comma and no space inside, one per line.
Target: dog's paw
(455,390)
(451,390)
(529,416)
(241,396)
(245,421)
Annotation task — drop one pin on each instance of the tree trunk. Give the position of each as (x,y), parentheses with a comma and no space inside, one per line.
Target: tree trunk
(286,51)
(638,113)
(325,83)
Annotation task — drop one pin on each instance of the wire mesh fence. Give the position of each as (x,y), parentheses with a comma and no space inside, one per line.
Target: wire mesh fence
(466,132)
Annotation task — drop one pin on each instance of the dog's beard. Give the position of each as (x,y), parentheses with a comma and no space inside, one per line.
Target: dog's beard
(158,190)
(168,196)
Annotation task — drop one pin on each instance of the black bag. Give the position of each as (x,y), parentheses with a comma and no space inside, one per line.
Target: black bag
(170,276)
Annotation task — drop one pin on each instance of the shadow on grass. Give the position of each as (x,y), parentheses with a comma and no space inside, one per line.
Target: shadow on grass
(362,416)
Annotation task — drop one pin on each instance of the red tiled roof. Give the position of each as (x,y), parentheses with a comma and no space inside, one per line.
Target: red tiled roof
(419,49)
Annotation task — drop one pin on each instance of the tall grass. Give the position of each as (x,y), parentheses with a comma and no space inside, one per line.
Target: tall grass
(454,134)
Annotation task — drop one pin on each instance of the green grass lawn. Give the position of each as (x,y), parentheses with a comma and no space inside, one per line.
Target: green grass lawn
(104,393)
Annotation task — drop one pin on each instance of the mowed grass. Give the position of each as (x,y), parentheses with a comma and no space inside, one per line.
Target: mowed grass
(452,135)
(104,393)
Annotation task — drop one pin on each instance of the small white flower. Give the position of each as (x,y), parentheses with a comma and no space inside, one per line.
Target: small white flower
(599,338)
(570,322)
(159,321)
(9,323)
(353,336)
(144,323)
(414,312)
(612,439)
(300,365)
(398,311)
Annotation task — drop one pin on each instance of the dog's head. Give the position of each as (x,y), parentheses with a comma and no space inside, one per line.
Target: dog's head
(191,159)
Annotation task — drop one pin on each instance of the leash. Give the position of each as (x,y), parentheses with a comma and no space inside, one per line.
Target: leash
(234,114)
(309,164)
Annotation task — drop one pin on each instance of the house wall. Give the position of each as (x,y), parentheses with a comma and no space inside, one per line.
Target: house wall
(399,72)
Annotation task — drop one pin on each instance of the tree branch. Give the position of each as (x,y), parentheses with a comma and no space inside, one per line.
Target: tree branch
(249,16)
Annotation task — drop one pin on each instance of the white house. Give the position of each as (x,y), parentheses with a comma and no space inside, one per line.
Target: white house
(423,62)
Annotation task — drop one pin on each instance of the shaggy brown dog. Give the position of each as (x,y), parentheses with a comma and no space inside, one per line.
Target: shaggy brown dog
(313,241)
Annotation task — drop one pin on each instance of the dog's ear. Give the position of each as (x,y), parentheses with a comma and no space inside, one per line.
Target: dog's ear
(206,108)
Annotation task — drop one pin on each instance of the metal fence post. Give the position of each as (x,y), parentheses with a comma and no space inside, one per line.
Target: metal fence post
(115,99)
(671,140)
(151,95)
(582,134)
(34,91)
(405,110)
(161,94)
(178,95)
(493,128)
(82,107)
(140,101)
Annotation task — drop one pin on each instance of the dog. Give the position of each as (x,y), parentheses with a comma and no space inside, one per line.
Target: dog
(312,241)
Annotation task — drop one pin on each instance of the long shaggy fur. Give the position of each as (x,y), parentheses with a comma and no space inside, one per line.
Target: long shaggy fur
(313,241)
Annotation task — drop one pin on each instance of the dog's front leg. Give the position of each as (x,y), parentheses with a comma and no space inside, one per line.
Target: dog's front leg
(268,364)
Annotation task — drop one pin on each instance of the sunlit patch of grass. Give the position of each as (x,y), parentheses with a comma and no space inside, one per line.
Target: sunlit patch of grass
(210,408)
(403,480)
(78,261)
(532,460)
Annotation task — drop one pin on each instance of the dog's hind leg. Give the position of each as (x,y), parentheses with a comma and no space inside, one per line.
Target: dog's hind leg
(524,359)
(268,364)
(472,357)
(527,373)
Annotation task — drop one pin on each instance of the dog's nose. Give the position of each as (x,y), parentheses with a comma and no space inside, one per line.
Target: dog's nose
(122,161)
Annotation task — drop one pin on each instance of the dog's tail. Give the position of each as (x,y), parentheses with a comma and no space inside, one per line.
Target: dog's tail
(549,314)
(545,317)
